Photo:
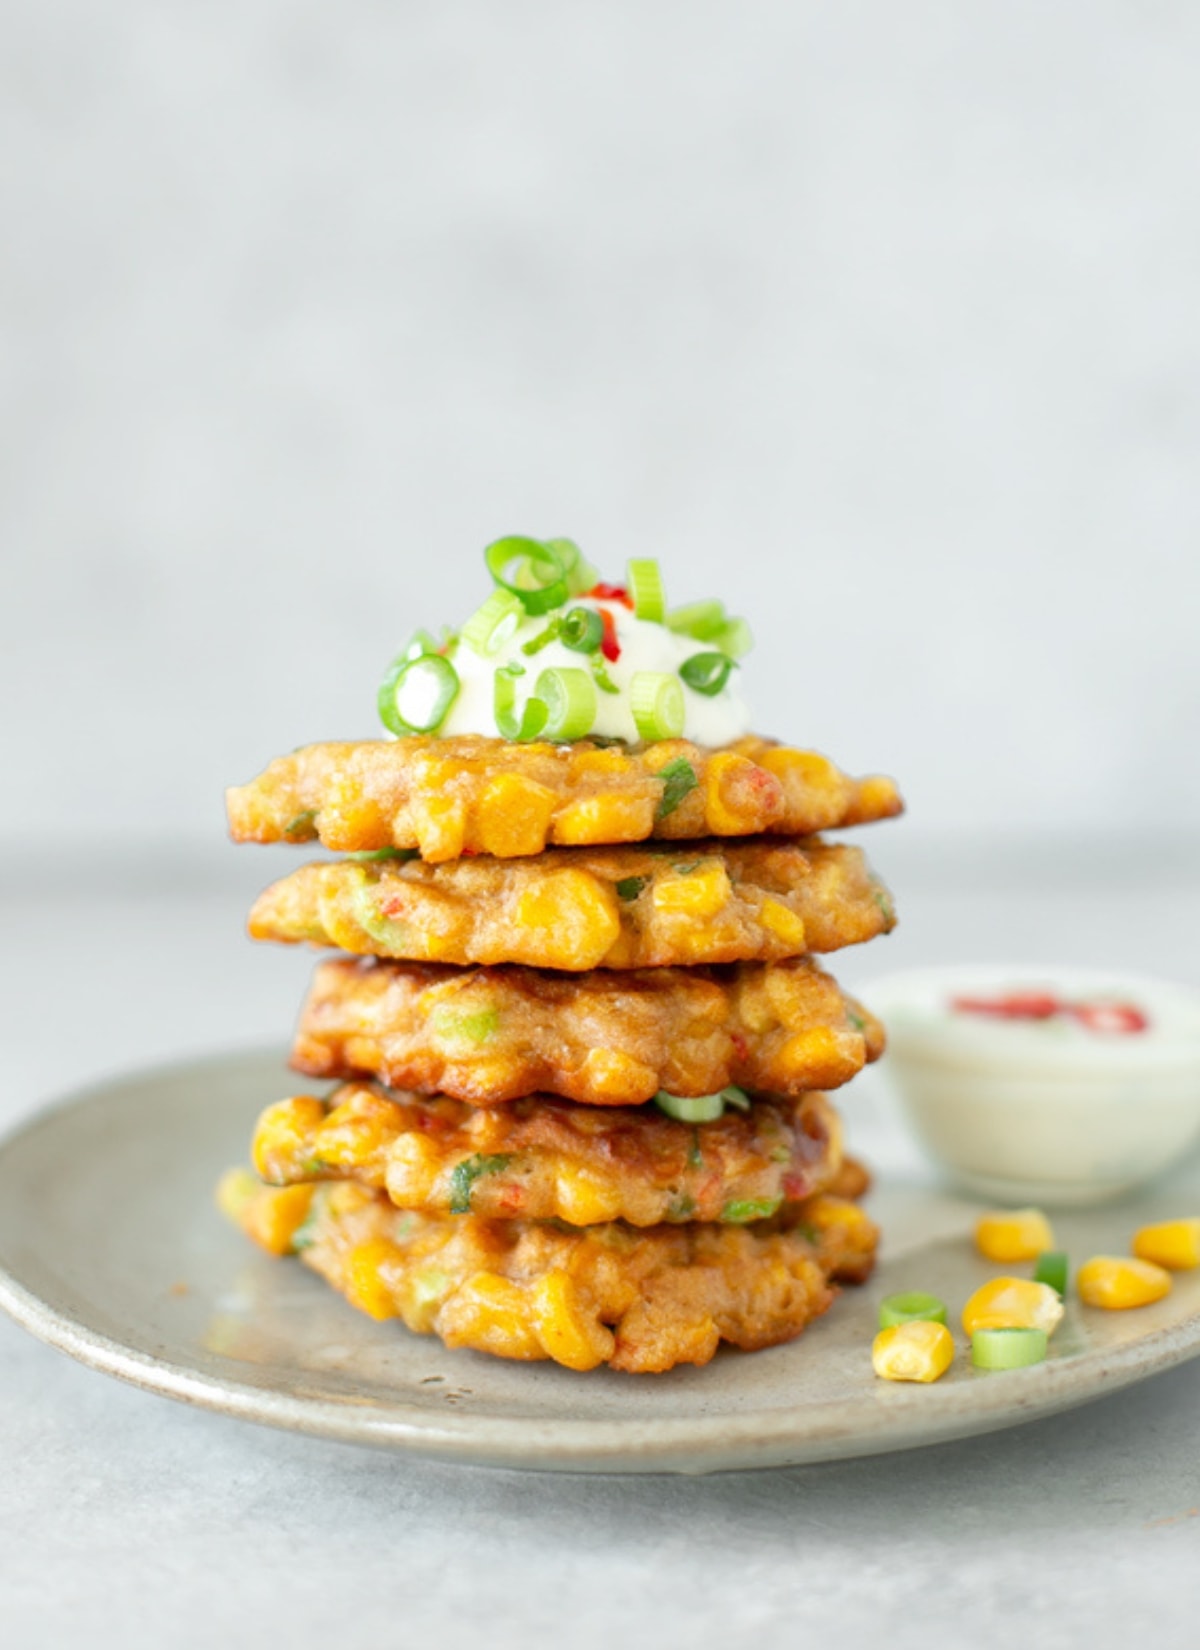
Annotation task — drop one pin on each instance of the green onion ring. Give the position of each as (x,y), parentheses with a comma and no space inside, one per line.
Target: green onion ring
(579,574)
(707,673)
(493,624)
(735,638)
(582,629)
(913,1307)
(531,570)
(570,699)
(644,582)
(1051,1268)
(504,705)
(1008,1348)
(701,1108)
(416,694)
(702,621)
(656,701)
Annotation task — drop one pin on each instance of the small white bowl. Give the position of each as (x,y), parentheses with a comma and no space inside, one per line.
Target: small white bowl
(1043,1111)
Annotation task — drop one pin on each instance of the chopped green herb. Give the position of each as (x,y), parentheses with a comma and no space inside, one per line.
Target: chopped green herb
(695,1154)
(742,1210)
(884,902)
(543,638)
(305,1234)
(856,1020)
(302,826)
(312,1166)
(631,887)
(679,778)
(681,1207)
(810,1234)
(466,1173)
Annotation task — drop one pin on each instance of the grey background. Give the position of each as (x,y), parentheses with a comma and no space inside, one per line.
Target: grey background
(878,320)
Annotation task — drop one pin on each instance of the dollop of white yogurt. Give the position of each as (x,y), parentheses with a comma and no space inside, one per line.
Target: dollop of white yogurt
(708,719)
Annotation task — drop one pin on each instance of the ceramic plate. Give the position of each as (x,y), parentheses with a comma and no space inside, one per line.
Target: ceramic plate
(111,1250)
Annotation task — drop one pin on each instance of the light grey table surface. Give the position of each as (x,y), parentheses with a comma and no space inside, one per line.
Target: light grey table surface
(130,1519)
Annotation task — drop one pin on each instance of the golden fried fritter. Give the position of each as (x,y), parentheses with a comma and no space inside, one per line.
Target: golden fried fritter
(547,1159)
(641,1301)
(580,908)
(605,1038)
(468,794)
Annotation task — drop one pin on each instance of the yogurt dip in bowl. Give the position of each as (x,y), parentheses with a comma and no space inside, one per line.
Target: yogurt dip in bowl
(1054,1086)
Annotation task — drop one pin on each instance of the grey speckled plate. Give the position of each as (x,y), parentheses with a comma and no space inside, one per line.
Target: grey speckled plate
(111,1250)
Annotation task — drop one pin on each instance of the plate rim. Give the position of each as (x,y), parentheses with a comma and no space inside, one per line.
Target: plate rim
(695,1443)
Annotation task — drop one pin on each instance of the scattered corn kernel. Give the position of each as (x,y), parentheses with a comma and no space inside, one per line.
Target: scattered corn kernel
(1174,1244)
(1117,1282)
(915,1351)
(1013,1234)
(1013,1303)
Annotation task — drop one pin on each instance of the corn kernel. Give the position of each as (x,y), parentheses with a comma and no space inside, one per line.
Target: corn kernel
(700,893)
(272,1217)
(573,916)
(587,1199)
(491,1314)
(513,816)
(441,827)
(1116,1282)
(723,793)
(283,1138)
(618,1075)
(569,1333)
(919,1351)
(365,1287)
(1174,1244)
(1013,1234)
(604,819)
(1013,1303)
(412,1167)
(784,924)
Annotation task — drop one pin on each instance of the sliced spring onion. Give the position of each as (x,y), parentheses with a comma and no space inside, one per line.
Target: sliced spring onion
(531,570)
(504,705)
(570,700)
(601,677)
(700,1108)
(643,580)
(373,856)
(1052,1268)
(416,694)
(656,701)
(707,673)
(679,778)
(582,629)
(735,638)
(913,1307)
(631,887)
(700,620)
(491,625)
(418,643)
(1008,1348)
(579,574)
(743,1210)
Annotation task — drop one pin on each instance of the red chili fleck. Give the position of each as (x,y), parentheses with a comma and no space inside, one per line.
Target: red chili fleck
(796,1186)
(1119,1017)
(609,645)
(510,1199)
(740,1046)
(1015,1005)
(611,593)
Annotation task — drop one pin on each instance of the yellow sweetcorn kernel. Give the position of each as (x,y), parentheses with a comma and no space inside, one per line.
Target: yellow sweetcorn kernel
(1174,1244)
(721,790)
(491,1314)
(607,818)
(282,1135)
(365,1285)
(513,815)
(1116,1282)
(700,893)
(1013,1303)
(916,1351)
(587,1199)
(273,1215)
(1013,1234)
(569,1332)
(784,924)
(575,917)
(413,1165)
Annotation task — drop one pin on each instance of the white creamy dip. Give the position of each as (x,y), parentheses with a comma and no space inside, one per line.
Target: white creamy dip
(644,645)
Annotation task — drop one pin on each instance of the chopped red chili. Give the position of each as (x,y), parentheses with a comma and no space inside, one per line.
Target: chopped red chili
(609,645)
(611,593)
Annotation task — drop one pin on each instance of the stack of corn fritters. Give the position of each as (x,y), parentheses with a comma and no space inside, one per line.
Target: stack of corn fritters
(543,939)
